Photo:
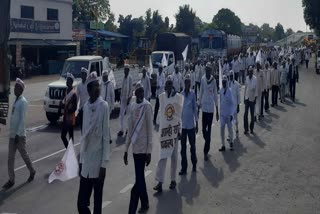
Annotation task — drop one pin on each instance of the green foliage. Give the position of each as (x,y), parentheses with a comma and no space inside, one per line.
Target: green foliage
(312,14)
(289,32)
(267,32)
(109,25)
(154,24)
(279,32)
(83,10)
(131,27)
(185,20)
(228,21)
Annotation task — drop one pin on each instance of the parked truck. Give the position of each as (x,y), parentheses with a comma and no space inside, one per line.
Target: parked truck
(56,91)
(4,60)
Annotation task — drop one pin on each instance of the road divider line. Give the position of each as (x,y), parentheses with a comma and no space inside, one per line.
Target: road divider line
(105,204)
(126,188)
(147,173)
(37,128)
(48,156)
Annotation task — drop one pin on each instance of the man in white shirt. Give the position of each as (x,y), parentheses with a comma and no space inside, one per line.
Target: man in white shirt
(225,68)
(140,137)
(94,152)
(242,67)
(235,91)
(208,99)
(82,94)
(226,113)
(17,136)
(260,91)
(250,60)
(177,80)
(275,82)
(171,104)
(145,81)
(267,77)
(236,68)
(125,98)
(160,89)
(307,58)
(198,75)
(250,98)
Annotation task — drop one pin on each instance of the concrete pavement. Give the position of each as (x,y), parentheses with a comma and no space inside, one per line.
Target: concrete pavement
(274,171)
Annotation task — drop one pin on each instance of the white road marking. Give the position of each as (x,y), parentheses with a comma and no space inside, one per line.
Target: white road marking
(8,213)
(104,205)
(126,188)
(37,128)
(40,159)
(147,173)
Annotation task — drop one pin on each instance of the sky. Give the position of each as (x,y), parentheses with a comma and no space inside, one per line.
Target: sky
(288,12)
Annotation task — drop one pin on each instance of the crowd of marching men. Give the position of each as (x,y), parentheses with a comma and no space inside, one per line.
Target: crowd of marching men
(212,88)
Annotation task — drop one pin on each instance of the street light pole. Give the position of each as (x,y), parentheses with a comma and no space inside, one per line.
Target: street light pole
(94,3)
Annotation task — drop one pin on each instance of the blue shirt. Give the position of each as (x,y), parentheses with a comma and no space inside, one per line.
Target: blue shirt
(189,110)
(18,118)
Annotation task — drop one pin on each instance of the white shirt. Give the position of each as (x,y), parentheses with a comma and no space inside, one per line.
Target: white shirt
(267,79)
(250,60)
(226,102)
(193,80)
(126,90)
(236,66)
(235,90)
(250,90)
(107,93)
(226,69)
(208,97)
(260,81)
(242,64)
(161,80)
(199,70)
(18,117)
(275,77)
(177,81)
(82,94)
(145,81)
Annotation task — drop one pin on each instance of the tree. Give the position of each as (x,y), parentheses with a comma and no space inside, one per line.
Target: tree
(312,14)
(109,25)
(227,21)
(154,24)
(83,10)
(131,27)
(185,20)
(267,32)
(279,32)
(289,32)
(167,22)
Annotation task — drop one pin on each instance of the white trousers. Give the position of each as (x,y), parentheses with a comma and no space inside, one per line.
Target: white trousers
(162,164)
(235,120)
(258,105)
(123,108)
(225,120)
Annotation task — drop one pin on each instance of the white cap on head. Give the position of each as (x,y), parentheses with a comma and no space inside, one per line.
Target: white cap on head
(169,78)
(138,85)
(105,73)
(187,77)
(231,72)
(21,83)
(208,64)
(93,76)
(126,66)
(224,78)
(84,70)
(69,75)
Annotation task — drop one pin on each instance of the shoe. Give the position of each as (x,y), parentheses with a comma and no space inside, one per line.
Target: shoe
(237,132)
(31,177)
(120,133)
(110,142)
(231,146)
(222,149)
(246,132)
(8,185)
(228,139)
(158,188)
(255,118)
(143,209)
(182,172)
(206,158)
(194,169)
(154,123)
(251,132)
(173,185)
(262,115)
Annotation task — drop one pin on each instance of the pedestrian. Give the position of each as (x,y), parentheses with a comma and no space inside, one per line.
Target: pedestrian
(199,68)
(283,82)
(189,126)
(82,94)
(17,134)
(275,82)
(235,91)
(307,58)
(235,68)
(250,98)
(177,79)
(125,98)
(140,137)
(170,112)
(145,81)
(94,152)
(160,89)
(226,113)
(260,92)
(193,78)
(267,86)
(293,79)
(225,67)
(242,72)
(208,99)
(69,105)
(185,71)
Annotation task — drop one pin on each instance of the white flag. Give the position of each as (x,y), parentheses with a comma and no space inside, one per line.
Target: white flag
(185,53)
(68,167)
(164,61)
(220,74)
(259,58)
(150,67)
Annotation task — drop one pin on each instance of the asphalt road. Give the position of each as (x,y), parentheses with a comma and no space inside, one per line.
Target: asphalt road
(274,171)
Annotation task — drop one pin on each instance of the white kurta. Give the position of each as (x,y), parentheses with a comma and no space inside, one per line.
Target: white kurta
(107,94)
(82,94)
(177,81)
(145,81)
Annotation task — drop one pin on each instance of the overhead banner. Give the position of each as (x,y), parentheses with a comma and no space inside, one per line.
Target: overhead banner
(34,26)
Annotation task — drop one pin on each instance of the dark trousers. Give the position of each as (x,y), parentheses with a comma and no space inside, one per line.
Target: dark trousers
(242,76)
(197,89)
(292,89)
(275,91)
(139,190)
(206,130)
(262,102)
(66,128)
(156,109)
(236,76)
(307,64)
(191,134)
(86,187)
(248,105)
(80,118)
(266,100)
